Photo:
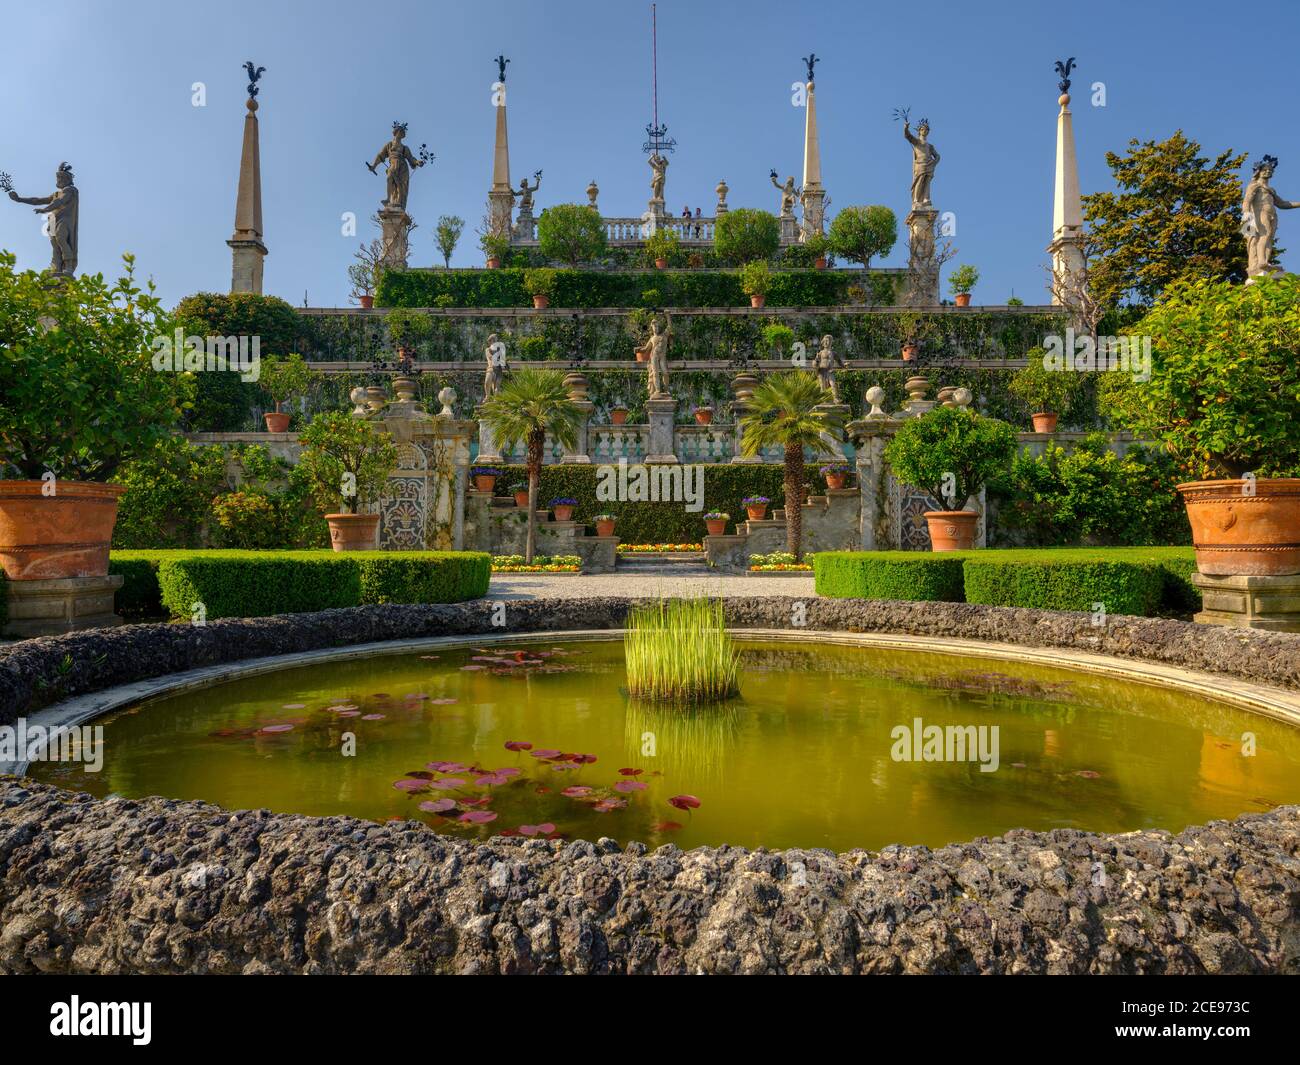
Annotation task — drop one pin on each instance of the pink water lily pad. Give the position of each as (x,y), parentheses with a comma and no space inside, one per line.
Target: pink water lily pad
(338,708)
(373,717)
(438,806)
(348,713)
(446,767)
(518,745)
(507,771)
(472,666)
(447,783)
(576,791)
(477,817)
(293,706)
(411,785)
(544,829)
(490,780)
(666,826)
(1088,774)
(626,786)
(606,805)
(631,772)
(277,728)
(582,759)
(546,752)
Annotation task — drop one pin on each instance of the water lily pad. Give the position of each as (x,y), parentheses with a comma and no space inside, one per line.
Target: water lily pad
(518,745)
(411,785)
(373,717)
(626,786)
(544,829)
(477,817)
(631,772)
(576,791)
(293,706)
(447,783)
(277,728)
(438,806)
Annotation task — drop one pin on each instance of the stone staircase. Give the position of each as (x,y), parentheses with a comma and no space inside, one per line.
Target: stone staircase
(665,564)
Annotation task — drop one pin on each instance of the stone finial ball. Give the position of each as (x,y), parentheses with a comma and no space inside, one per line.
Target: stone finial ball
(875,395)
(1064,99)
(251,104)
(358,394)
(962,397)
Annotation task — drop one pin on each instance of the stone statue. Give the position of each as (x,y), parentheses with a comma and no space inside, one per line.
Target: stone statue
(655,349)
(1259,219)
(659,168)
(497,366)
(789,194)
(924,161)
(525,193)
(61,206)
(824,363)
(400,163)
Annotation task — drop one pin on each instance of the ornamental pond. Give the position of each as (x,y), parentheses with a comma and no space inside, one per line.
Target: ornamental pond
(827,746)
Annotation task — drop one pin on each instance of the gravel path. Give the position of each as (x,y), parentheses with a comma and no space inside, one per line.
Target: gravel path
(540,585)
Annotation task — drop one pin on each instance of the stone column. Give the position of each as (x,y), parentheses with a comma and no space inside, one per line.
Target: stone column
(659,411)
(395,224)
(576,384)
(1068,263)
(742,386)
(922,266)
(246,248)
(501,200)
(813,196)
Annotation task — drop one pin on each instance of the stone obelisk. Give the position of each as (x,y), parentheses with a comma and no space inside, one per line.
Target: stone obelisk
(1066,248)
(501,196)
(813,196)
(246,248)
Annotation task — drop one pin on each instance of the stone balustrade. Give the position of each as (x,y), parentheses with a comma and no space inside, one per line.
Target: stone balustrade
(633,231)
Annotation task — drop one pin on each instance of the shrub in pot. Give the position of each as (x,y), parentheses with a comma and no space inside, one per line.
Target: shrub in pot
(605,524)
(1047,391)
(1224,399)
(88,383)
(961,281)
(716,522)
(495,246)
(540,284)
(745,235)
(860,234)
(485,478)
(755,507)
(836,474)
(755,280)
(951,453)
(282,378)
(347,461)
(662,247)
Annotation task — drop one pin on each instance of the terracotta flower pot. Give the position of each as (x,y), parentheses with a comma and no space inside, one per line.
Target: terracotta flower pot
(757,301)
(493,262)
(563,513)
(835,480)
(819,263)
(642,356)
(618,416)
(605,528)
(909,352)
(963,299)
(661,264)
(1044,422)
(716,528)
(66,534)
(758,513)
(540,301)
(276,422)
(521,498)
(353,532)
(367,302)
(703,417)
(951,530)
(1243,527)
(485,484)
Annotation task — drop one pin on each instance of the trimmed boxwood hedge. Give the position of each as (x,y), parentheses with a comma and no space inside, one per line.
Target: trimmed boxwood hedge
(888,575)
(608,288)
(259,583)
(1143,581)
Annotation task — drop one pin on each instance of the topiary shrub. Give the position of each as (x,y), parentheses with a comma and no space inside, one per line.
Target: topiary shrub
(904,575)
(951,448)
(1120,587)
(571,233)
(424,576)
(746,234)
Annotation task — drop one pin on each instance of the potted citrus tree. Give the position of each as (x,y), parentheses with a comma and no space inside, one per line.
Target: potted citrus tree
(82,395)
(950,454)
(1046,392)
(540,284)
(755,280)
(346,462)
(1224,399)
(495,246)
(817,246)
(282,379)
(961,281)
(662,246)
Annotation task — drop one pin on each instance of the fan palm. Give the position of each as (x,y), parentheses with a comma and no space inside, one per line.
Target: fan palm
(789,410)
(528,406)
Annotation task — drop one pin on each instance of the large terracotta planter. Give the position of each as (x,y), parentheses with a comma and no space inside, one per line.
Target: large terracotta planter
(485,484)
(963,299)
(951,530)
(562,513)
(835,481)
(716,528)
(493,262)
(367,302)
(618,416)
(1245,528)
(758,513)
(276,422)
(909,351)
(521,498)
(66,534)
(353,532)
(604,528)
(1044,422)
(540,301)
(757,301)
(704,417)
(661,264)
(819,263)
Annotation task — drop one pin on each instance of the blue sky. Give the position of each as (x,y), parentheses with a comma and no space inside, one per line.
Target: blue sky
(108,87)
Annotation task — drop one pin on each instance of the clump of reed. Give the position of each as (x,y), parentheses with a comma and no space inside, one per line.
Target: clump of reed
(679,651)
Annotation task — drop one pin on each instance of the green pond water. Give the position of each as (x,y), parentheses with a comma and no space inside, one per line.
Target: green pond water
(806,757)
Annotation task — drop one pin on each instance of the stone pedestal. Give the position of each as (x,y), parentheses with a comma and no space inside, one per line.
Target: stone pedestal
(524,224)
(396,224)
(789,229)
(501,205)
(659,411)
(1271,603)
(814,211)
(64,604)
(922,269)
(579,455)
(489,453)
(742,387)
(246,260)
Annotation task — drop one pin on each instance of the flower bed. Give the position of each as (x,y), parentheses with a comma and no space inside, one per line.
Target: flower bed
(645,549)
(779,562)
(540,564)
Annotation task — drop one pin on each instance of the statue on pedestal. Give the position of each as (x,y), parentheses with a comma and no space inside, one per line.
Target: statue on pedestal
(525,193)
(659,175)
(789,194)
(497,366)
(824,363)
(1259,219)
(400,162)
(655,350)
(61,206)
(925,159)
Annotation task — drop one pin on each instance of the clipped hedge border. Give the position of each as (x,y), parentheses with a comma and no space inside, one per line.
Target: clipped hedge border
(262,583)
(889,575)
(1143,582)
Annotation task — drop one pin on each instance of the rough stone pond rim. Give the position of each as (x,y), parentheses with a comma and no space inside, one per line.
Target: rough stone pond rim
(1253,698)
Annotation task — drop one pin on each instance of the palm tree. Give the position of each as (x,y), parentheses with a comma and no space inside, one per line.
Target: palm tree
(784,411)
(530,404)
